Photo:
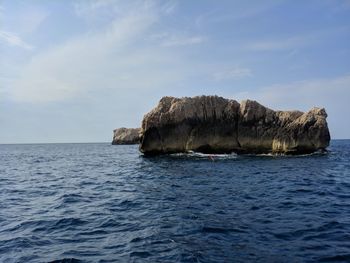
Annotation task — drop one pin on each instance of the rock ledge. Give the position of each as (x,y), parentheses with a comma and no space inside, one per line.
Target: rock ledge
(212,124)
(126,136)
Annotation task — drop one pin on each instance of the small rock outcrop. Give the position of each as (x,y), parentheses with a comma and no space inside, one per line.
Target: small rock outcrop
(126,136)
(212,124)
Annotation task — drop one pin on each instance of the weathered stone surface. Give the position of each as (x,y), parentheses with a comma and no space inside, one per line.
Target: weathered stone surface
(126,136)
(213,124)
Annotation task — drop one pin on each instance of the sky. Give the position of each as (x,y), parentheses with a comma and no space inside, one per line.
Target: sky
(72,71)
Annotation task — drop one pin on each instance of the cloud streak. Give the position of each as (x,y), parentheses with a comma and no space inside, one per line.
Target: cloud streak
(110,59)
(243,10)
(296,41)
(279,44)
(81,64)
(14,40)
(235,73)
(177,41)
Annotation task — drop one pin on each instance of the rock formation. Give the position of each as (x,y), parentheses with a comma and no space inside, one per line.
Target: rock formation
(126,136)
(212,124)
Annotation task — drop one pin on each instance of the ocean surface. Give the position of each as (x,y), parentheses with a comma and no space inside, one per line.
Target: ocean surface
(104,203)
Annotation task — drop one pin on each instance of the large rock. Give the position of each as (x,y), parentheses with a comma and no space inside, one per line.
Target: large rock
(213,124)
(126,136)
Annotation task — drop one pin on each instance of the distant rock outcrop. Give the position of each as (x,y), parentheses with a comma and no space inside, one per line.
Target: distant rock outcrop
(212,124)
(126,136)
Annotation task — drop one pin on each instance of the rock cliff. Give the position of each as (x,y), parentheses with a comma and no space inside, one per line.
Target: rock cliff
(126,136)
(212,124)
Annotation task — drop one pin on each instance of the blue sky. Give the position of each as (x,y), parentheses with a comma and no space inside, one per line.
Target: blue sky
(72,71)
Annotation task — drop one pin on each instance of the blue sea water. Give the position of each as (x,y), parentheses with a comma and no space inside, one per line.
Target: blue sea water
(104,203)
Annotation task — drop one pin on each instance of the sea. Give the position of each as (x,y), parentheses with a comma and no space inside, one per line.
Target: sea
(96,202)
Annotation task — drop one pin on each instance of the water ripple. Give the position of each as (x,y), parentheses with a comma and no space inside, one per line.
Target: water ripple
(102,203)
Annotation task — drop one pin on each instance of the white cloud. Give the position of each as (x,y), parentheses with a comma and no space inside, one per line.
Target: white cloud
(174,41)
(93,9)
(14,40)
(115,58)
(31,19)
(235,73)
(303,94)
(166,39)
(27,20)
(293,43)
(242,10)
(119,58)
(169,7)
(104,9)
(279,44)
(23,21)
(82,63)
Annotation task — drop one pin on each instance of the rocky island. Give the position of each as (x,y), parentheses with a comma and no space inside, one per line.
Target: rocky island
(212,124)
(126,136)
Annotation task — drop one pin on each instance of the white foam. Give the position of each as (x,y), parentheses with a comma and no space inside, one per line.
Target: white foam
(192,154)
(206,156)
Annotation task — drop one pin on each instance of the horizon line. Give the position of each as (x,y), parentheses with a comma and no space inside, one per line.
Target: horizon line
(31,143)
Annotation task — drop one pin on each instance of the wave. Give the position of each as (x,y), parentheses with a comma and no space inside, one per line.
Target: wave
(171,208)
(213,156)
(66,260)
(200,155)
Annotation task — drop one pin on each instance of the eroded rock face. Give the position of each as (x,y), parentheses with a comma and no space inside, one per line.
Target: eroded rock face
(126,136)
(213,124)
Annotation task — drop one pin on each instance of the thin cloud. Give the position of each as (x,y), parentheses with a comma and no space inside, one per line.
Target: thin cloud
(279,44)
(330,93)
(177,41)
(93,10)
(169,7)
(243,10)
(305,93)
(96,63)
(90,8)
(235,73)
(24,21)
(14,40)
(297,41)
(65,70)
(31,20)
